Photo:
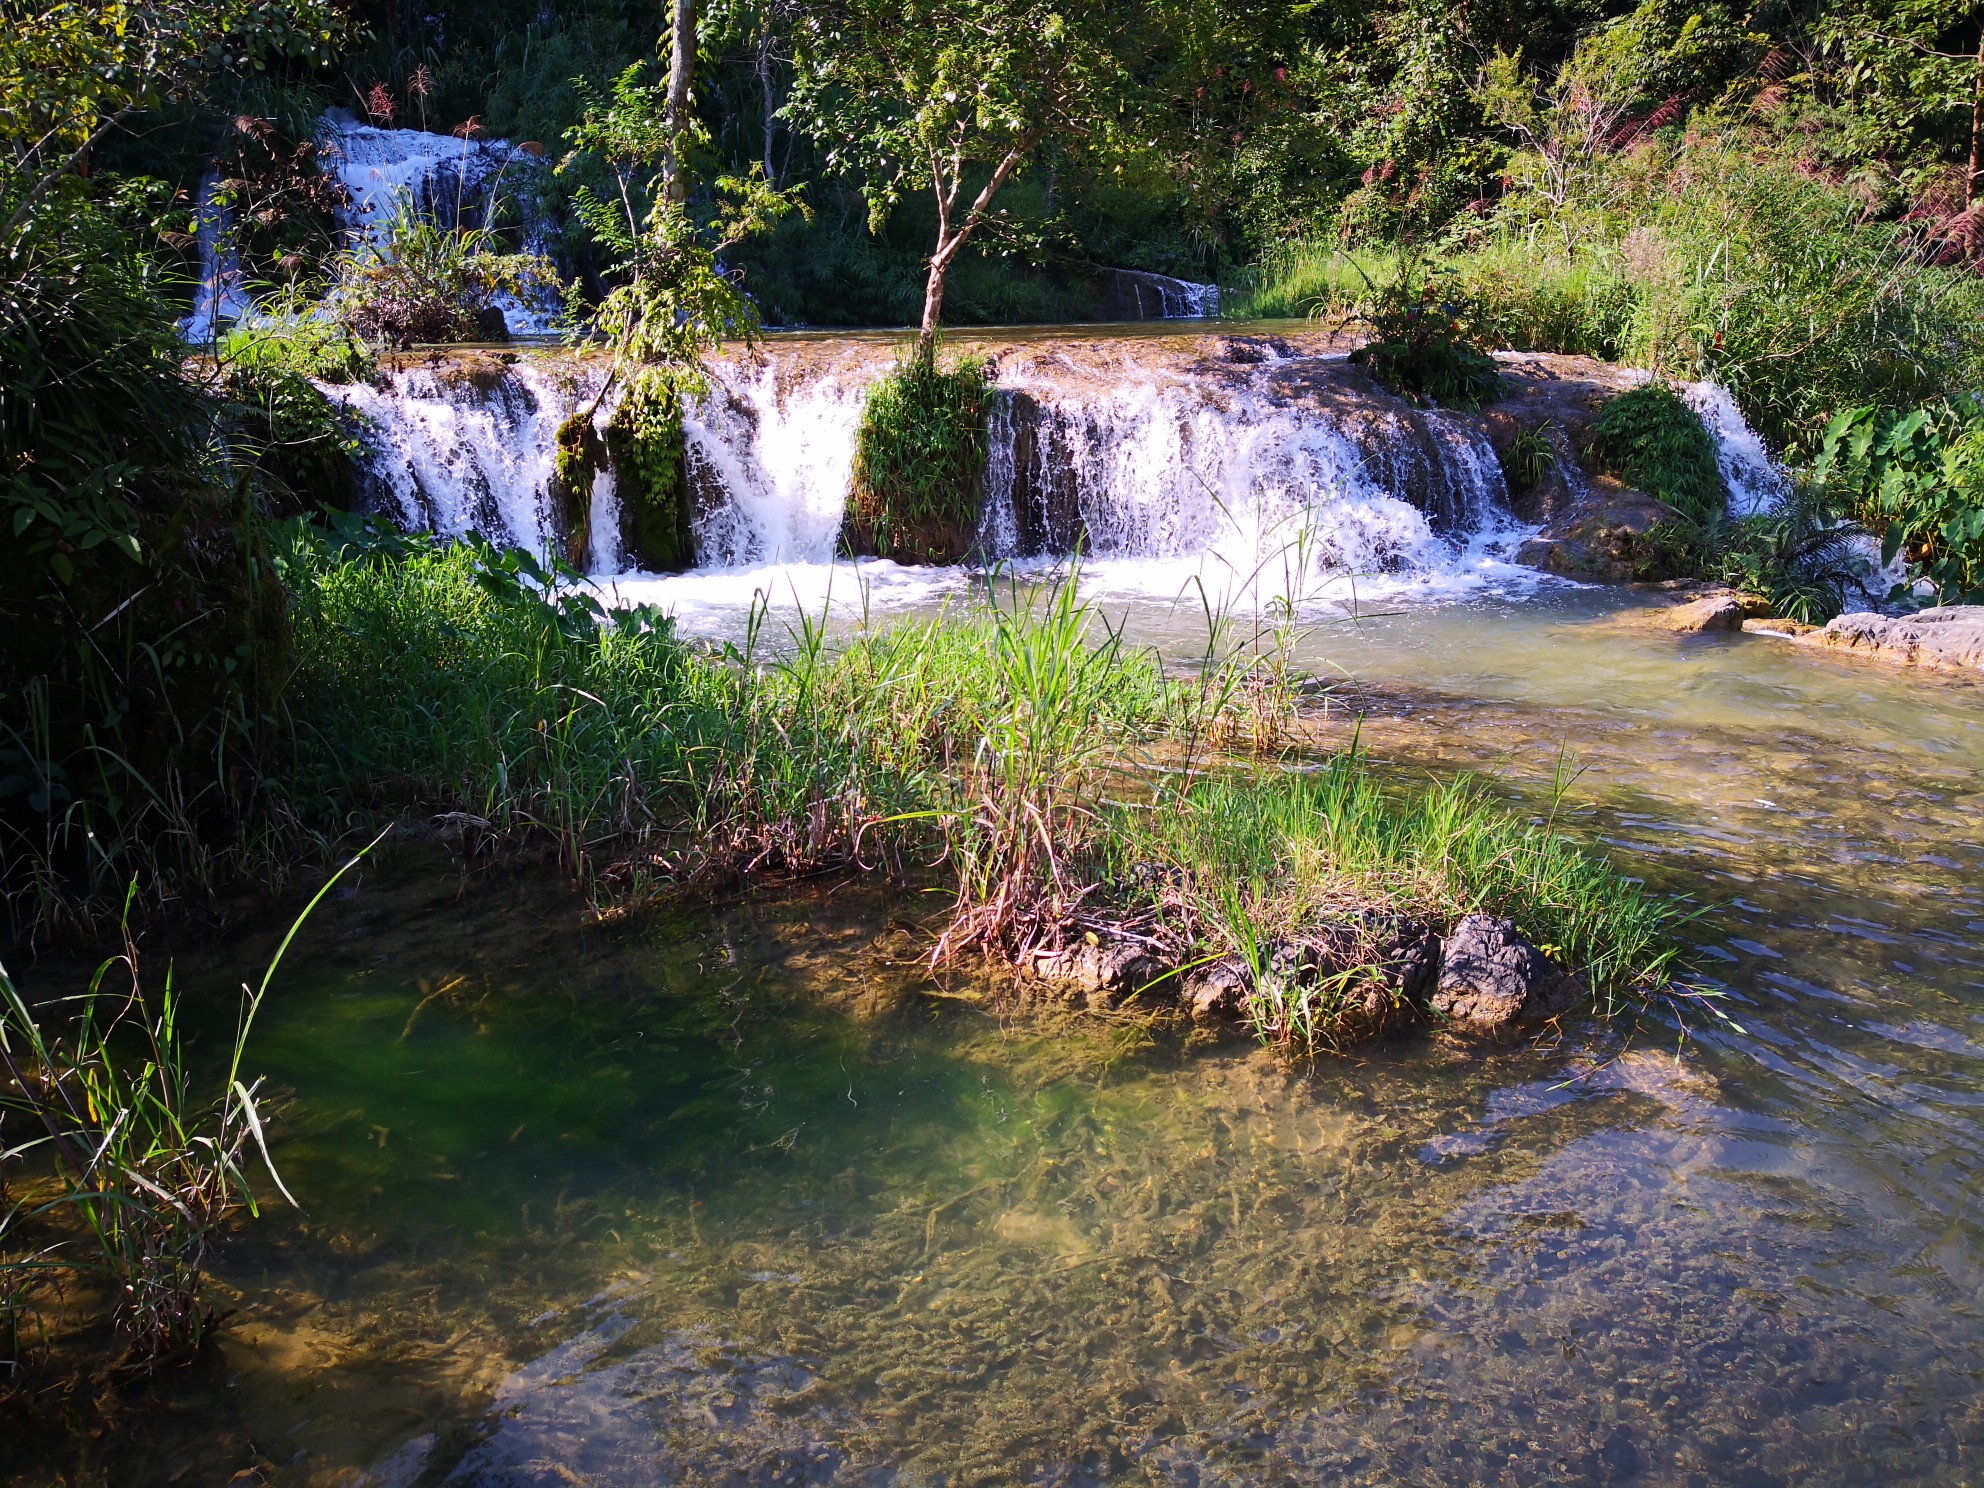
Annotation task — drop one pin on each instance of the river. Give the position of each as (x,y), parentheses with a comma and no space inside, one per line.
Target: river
(726,1194)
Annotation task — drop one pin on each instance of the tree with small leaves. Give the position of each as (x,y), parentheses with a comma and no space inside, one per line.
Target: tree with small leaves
(957,97)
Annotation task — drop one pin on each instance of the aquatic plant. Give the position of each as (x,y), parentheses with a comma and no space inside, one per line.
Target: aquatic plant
(919,459)
(149,1169)
(1244,864)
(1019,750)
(420,281)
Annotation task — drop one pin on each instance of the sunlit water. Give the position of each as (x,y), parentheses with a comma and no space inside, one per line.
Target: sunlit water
(727,1197)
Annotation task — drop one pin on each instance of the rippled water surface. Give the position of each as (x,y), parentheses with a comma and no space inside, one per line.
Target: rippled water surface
(728,1197)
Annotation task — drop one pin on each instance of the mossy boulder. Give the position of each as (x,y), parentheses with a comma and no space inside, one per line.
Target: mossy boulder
(919,464)
(644,441)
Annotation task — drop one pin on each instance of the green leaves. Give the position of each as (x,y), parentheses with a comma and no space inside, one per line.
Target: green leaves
(1651,439)
(1917,478)
(671,301)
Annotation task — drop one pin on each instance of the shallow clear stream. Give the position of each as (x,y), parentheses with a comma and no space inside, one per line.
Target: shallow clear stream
(725,1198)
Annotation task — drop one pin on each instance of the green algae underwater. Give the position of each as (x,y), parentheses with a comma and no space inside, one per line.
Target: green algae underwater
(734,1194)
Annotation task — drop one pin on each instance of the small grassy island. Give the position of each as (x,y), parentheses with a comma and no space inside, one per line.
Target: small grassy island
(1159,816)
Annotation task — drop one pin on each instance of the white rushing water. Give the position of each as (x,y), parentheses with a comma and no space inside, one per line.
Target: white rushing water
(1216,482)
(448,453)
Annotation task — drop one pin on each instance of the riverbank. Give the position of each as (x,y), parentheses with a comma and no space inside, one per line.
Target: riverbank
(661,1190)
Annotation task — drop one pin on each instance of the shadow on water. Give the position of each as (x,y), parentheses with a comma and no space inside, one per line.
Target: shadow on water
(726,1198)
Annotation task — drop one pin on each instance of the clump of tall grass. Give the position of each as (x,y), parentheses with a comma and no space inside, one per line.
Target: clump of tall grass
(146,1167)
(1239,862)
(1709,258)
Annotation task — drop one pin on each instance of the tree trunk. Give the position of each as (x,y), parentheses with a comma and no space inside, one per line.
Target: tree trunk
(681,68)
(1976,128)
(765,85)
(933,303)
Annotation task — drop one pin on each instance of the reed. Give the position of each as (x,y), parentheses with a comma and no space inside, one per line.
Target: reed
(149,1162)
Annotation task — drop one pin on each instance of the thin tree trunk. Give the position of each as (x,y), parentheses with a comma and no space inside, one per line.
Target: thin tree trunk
(681,69)
(1976,127)
(948,242)
(933,304)
(765,84)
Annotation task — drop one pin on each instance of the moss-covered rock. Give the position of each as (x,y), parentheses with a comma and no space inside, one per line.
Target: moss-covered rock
(645,444)
(919,464)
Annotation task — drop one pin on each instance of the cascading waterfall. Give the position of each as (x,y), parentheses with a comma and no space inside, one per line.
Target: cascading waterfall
(454,180)
(1756,482)
(457,181)
(769,466)
(460,449)
(1217,454)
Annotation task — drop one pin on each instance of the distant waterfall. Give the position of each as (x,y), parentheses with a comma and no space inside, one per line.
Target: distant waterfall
(455,181)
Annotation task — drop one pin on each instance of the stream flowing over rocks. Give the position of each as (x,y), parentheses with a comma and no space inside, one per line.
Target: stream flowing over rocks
(1268,457)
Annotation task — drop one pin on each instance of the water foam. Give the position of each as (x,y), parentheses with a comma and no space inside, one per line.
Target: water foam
(458,455)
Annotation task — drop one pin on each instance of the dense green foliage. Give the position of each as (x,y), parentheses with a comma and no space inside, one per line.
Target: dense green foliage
(919,462)
(143,630)
(644,443)
(1652,440)
(1917,479)
(1419,344)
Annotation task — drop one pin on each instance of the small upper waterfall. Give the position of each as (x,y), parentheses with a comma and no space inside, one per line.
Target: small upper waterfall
(221,295)
(1133,294)
(455,180)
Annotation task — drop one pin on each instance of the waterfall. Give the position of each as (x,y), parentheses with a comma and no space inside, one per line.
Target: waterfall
(1160,458)
(1755,481)
(220,296)
(454,180)
(1133,294)
(769,465)
(459,448)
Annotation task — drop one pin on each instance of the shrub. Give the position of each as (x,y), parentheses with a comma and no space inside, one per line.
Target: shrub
(1423,344)
(919,463)
(290,436)
(422,282)
(1801,557)
(1917,479)
(1652,440)
(141,632)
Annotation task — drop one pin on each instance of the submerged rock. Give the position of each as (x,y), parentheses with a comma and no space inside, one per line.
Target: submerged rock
(1947,638)
(1491,978)
(1096,971)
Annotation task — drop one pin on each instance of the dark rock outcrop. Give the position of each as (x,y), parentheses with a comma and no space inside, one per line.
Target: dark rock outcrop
(1492,979)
